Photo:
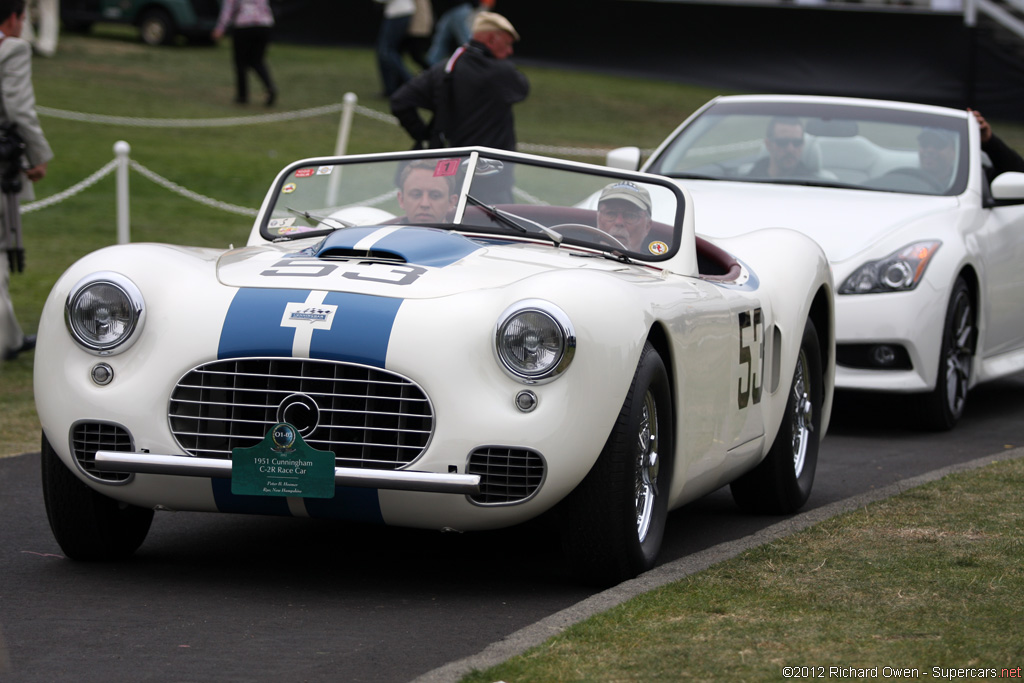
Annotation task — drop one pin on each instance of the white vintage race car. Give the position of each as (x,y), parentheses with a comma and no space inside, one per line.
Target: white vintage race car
(446,340)
(926,251)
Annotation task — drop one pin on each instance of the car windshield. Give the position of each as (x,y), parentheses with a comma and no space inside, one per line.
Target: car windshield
(809,143)
(488,194)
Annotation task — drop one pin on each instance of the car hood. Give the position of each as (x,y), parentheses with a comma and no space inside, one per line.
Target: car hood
(406,262)
(843,222)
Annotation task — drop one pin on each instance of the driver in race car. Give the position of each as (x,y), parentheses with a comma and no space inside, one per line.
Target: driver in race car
(624,212)
(425,196)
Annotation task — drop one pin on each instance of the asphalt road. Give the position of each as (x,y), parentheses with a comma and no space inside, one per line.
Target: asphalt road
(234,598)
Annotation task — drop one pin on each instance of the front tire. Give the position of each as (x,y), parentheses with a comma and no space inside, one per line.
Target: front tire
(614,521)
(944,406)
(86,524)
(782,483)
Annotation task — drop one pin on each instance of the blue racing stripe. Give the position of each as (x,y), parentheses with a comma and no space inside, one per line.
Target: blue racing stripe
(428,246)
(349,503)
(361,329)
(252,326)
(360,332)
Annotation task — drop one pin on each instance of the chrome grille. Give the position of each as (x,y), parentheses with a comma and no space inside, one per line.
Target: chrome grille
(369,418)
(89,437)
(507,475)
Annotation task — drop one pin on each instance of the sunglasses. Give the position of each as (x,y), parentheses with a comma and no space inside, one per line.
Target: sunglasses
(793,142)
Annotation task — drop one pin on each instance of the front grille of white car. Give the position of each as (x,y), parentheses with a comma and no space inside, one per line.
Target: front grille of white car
(369,418)
(507,475)
(89,437)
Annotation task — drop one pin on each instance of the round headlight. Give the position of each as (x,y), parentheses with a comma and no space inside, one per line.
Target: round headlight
(534,341)
(103,311)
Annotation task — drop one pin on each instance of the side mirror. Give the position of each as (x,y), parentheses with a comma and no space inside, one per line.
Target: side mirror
(625,158)
(1008,186)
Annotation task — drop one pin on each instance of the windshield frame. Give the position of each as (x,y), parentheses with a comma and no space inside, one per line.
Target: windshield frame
(471,159)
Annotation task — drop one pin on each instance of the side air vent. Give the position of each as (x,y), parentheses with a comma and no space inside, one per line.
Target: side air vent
(89,437)
(507,475)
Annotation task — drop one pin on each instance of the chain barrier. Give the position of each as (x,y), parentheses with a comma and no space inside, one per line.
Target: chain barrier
(189,194)
(139,122)
(71,191)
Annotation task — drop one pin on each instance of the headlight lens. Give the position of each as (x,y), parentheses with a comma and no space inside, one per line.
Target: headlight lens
(897,272)
(103,313)
(534,341)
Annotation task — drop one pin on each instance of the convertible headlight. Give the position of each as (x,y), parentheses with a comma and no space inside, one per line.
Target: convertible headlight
(104,312)
(897,272)
(534,341)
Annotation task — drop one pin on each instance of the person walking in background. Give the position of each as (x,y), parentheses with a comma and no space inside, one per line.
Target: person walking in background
(394,28)
(18,107)
(250,22)
(454,28)
(421,27)
(471,95)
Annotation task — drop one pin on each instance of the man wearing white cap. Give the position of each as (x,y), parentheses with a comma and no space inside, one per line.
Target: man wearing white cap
(624,212)
(471,94)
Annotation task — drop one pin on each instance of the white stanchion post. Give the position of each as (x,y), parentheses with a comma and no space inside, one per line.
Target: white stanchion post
(345,126)
(341,145)
(121,151)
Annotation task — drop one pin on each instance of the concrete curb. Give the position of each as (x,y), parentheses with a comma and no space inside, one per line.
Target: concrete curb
(535,634)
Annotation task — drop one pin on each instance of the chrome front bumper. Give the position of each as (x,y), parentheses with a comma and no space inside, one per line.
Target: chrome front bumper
(188,466)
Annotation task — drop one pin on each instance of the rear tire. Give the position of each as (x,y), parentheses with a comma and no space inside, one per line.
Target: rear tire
(86,524)
(613,523)
(782,483)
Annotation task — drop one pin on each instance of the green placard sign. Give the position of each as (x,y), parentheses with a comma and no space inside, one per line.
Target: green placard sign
(282,465)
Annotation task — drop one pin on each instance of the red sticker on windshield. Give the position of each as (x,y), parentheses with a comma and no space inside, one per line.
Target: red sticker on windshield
(446,167)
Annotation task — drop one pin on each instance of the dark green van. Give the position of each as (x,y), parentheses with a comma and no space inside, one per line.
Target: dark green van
(160,22)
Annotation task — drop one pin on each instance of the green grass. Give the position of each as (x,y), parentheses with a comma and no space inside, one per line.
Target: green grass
(930,578)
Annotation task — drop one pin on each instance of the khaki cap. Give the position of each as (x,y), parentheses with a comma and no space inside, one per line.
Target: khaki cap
(492,21)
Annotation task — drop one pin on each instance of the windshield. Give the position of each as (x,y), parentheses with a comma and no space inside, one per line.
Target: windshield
(492,194)
(862,147)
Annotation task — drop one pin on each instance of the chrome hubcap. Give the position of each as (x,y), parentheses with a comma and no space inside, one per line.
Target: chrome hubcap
(647,466)
(803,414)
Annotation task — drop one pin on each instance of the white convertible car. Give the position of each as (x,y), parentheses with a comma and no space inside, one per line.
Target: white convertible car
(925,251)
(456,340)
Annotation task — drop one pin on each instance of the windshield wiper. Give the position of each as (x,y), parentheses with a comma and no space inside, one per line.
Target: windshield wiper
(322,220)
(512,220)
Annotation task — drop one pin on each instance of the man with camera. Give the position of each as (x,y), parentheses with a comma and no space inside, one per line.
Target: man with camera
(24,151)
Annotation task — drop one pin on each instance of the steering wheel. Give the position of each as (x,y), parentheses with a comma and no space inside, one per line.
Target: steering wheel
(916,174)
(589,232)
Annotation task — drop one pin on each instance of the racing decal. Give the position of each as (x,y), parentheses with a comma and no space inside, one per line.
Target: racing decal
(288,188)
(751,336)
(278,223)
(305,172)
(657,248)
(446,167)
(349,503)
(325,170)
(357,329)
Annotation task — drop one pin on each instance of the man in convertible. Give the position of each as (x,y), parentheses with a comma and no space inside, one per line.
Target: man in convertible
(784,141)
